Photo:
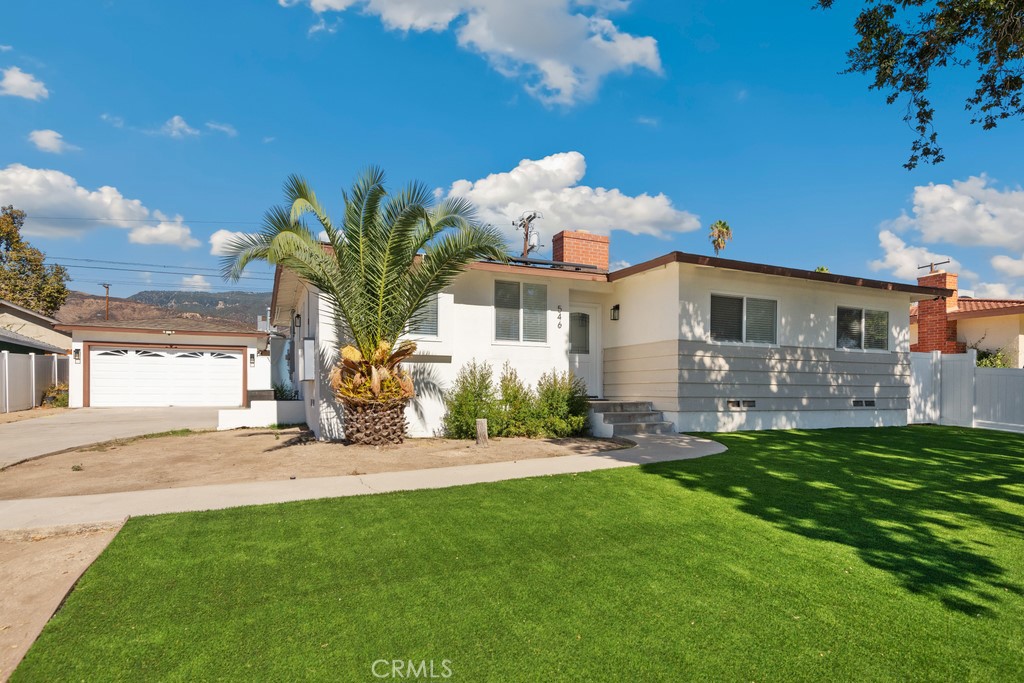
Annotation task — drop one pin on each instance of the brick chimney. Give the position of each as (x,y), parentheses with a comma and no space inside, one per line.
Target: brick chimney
(935,331)
(580,246)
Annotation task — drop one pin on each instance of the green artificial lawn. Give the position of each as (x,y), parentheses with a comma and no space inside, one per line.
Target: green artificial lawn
(848,554)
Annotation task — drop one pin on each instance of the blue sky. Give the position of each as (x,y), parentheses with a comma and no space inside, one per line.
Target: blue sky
(165,123)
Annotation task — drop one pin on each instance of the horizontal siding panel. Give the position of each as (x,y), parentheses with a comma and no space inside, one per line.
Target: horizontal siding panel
(693,348)
(813,393)
(812,381)
(722,364)
(702,405)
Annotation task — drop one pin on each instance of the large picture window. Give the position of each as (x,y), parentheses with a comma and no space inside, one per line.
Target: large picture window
(744,319)
(520,311)
(860,328)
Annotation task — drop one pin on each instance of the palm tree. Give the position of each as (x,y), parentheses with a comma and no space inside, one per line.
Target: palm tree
(391,254)
(719,234)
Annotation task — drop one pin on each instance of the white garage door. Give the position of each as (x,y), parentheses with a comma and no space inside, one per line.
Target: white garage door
(164,377)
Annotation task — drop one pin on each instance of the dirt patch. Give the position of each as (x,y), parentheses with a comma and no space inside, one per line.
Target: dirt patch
(37,569)
(245,455)
(30,414)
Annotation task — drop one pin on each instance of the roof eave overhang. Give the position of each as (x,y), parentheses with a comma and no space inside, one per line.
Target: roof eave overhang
(986,313)
(147,330)
(918,292)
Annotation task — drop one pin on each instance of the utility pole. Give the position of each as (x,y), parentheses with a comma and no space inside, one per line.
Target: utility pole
(106,286)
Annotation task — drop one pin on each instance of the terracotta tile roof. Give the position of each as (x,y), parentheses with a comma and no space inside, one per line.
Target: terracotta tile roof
(969,307)
(161,324)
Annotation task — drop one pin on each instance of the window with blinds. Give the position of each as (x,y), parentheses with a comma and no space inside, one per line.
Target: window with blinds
(425,322)
(744,319)
(520,311)
(506,311)
(858,328)
(876,330)
(760,324)
(727,318)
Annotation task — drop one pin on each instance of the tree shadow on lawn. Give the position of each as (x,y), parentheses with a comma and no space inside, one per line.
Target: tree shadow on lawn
(916,502)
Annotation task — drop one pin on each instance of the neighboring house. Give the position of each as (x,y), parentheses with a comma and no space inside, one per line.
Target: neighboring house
(953,324)
(28,324)
(18,343)
(713,343)
(167,362)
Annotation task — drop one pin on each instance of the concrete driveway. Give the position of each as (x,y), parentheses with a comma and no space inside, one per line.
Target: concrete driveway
(30,438)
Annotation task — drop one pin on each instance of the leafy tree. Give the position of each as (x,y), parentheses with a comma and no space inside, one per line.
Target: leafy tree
(904,42)
(25,278)
(388,257)
(719,233)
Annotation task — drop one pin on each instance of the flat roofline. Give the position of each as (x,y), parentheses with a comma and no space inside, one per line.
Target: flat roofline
(779,271)
(71,327)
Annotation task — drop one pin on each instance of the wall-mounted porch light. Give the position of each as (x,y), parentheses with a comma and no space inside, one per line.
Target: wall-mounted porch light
(615,312)
(77,354)
(252,360)
(298,321)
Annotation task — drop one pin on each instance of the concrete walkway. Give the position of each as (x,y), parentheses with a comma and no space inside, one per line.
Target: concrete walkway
(112,507)
(31,438)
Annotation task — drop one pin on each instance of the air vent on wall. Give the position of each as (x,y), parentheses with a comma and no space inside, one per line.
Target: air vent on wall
(863,403)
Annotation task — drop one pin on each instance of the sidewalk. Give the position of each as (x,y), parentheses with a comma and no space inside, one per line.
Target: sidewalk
(32,513)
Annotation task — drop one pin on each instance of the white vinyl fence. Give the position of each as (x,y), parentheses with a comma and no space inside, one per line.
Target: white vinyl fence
(24,377)
(950,389)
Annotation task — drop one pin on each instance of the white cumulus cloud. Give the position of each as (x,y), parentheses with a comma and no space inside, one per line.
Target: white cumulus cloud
(17,83)
(195,282)
(170,231)
(552,186)
(1007,265)
(57,206)
(177,127)
(47,140)
(902,259)
(968,213)
(561,49)
(220,240)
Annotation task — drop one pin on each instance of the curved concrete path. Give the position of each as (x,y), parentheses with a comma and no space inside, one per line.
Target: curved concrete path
(31,438)
(31,513)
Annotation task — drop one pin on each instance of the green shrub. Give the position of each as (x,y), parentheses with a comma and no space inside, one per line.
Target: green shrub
(557,409)
(56,396)
(562,403)
(993,359)
(473,397)
(518,405)
(284,392)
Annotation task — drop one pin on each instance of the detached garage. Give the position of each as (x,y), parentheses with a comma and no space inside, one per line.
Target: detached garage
(166,362)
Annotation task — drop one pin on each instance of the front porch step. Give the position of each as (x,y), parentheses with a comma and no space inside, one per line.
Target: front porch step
(630,428)
(603,406)
(623,417)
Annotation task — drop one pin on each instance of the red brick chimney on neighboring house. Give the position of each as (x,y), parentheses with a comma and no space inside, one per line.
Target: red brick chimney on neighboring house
(935,331)
(580,246)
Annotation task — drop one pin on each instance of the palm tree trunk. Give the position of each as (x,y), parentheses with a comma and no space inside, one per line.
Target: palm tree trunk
(377,423)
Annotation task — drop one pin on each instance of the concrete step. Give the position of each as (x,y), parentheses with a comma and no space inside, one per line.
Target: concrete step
(628,428)
(620,406)
(621,417)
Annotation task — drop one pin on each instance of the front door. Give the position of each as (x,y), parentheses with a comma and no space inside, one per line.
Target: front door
(585,346)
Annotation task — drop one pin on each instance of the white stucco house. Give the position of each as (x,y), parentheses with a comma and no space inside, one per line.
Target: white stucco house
(710,343)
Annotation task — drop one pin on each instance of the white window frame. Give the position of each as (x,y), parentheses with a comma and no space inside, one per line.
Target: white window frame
(494,315)
(743,331)
(863,329)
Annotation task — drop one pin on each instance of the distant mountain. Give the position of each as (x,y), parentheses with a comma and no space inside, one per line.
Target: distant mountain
(237,306)
(240,306)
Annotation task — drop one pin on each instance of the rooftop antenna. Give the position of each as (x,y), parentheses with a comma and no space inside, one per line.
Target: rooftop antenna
(531,238)
(931,266)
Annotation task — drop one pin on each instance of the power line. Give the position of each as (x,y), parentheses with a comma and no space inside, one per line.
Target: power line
(136,263)
(111,219)
(178,286)
(165,272)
